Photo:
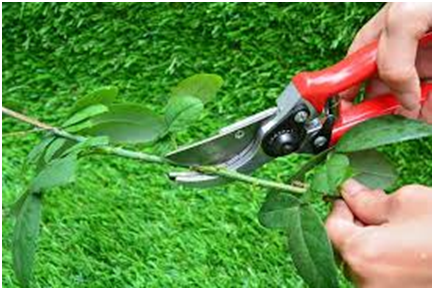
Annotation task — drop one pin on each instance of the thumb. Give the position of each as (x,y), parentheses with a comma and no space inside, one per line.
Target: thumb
(367,205)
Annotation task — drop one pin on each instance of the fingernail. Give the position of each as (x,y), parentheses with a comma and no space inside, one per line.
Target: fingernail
(351,187)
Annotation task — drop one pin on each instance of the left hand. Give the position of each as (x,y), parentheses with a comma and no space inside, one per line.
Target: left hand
(385,240)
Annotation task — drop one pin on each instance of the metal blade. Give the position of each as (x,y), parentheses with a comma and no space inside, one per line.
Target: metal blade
(229,145)
(237,147)
(195,179)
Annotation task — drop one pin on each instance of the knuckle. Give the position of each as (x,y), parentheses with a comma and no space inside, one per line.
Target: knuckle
(362,255)
(411,200)
(408,17)
(408,191)
(399,198)
(395,76)
(403,8)
(393,16)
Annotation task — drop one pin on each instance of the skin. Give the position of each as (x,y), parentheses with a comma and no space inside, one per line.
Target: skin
(401,63)
(386,240)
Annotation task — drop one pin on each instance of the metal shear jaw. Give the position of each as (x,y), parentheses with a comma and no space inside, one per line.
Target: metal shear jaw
(295,126)
(249,143)
(236,147)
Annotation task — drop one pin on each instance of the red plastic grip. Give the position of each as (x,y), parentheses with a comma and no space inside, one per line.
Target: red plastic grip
(372,108)
(316,87)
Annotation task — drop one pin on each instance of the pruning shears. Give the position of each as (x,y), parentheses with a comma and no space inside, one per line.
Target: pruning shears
(308,119)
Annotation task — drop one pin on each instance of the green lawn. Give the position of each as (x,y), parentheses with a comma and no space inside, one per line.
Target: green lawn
(123,224)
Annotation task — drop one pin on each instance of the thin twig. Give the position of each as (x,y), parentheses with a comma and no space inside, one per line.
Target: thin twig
(212,170)
(26,119)
(248,179)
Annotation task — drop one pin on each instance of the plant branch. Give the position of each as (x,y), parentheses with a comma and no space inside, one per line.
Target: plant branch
(212,170)
(26,119)
(220,171)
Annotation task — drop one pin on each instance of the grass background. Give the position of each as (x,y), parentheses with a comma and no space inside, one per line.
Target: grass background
(123,224)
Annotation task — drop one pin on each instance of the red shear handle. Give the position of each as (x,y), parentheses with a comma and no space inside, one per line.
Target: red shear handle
(316,87)
(372,108)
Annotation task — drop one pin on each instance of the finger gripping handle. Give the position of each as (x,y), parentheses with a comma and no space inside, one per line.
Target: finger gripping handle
(376,107)
(316,87)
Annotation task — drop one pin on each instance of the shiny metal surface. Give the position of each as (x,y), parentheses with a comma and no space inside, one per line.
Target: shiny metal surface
(236,147)
(230,144)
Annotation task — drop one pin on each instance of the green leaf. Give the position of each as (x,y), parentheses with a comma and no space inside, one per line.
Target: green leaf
(128,123)
(38,151)
(371,168)
(332,174)
(90,142)
(84,114)
(80,126)
(320,182)
(278,210)
(105,96)
(53,148)
(311,250)
(309,165)
(201,86)
(181,111)
(56,173)
(338,169)
(308,242)
(382,131)
(25,235)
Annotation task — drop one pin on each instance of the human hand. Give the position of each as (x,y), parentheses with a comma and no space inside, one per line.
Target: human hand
(401,63)
(385,240)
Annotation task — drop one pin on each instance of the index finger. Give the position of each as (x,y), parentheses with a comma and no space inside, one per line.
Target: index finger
(370,32)
(397,49)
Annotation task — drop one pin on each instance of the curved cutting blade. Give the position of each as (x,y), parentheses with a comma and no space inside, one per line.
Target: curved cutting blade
(236,147)
(229,144)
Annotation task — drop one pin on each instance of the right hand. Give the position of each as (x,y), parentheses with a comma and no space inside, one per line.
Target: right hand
(401,63)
